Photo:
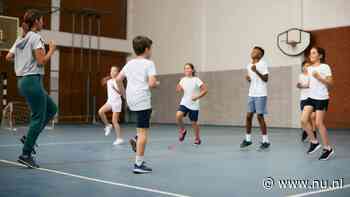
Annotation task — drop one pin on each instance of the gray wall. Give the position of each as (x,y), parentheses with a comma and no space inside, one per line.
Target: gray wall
(226,101)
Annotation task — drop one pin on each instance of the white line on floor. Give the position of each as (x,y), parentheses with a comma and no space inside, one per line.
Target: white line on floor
(319,191)
(100,181)
(59,143)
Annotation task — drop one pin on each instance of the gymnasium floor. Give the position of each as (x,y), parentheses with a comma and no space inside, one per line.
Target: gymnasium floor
(80,161)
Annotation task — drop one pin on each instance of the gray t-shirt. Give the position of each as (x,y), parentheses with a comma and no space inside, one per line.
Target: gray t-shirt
(24,50)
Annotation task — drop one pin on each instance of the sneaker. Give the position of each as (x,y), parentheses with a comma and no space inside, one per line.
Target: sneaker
(264,145)
(326,154)
(197,142)
(28,161)
(108,130)
(245,144)
(313,148)
(142,169)
(23,139)
(303,136)
(118,141)
(133,144)
(182,135)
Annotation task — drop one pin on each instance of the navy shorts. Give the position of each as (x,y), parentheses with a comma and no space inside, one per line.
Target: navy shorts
(192,114)
(318,105)
(143,118)
(302,104)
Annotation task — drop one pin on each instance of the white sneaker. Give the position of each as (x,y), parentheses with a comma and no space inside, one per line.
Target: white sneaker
(108,130)
(118,141)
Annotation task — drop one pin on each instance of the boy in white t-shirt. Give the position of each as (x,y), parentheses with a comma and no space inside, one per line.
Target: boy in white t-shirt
(193,89)
(320,82)
(140,73)
(114,104)
(257,77)
(303,85)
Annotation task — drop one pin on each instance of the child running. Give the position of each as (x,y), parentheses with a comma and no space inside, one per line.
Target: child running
(114,104)
(193,89)
(140,73)
(303,85)
(320,82)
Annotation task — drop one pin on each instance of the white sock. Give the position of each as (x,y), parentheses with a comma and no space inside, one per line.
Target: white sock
(265,139)
(327,147)
(109,125)
(139,160)
(248,137)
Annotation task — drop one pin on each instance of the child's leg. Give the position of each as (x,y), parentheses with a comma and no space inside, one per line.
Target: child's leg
(313,121)
(179,120)
(142,138)
(248,123)
(115,121)
(306,123)
(196,129)
(262,124)
(102,113)
(320,116)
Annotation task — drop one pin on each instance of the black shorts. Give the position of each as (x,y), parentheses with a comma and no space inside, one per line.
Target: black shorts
(143,118)
(302,104)
(318,105)
(192,114)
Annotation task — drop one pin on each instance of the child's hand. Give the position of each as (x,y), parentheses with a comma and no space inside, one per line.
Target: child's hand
(194,98)
(316,75)
(299,85)
(247,78)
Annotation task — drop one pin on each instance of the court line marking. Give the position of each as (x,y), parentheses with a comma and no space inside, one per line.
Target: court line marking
(100,180)
(59,143)
(319,191)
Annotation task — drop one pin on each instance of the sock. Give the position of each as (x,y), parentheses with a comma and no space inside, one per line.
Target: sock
(109,125)
(265,139)
(314,142)
(248,137)
(327,147)
(139,160)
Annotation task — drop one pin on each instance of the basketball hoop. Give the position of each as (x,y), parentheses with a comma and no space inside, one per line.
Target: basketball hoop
(293,42)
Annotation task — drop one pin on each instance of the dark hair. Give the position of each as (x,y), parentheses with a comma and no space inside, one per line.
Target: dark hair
(321,52)
(262,51)
(193,69)
(140,44)
(29,18)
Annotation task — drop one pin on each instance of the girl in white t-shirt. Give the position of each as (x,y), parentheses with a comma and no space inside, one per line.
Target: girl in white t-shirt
(114,104)
(193,89)
(303,85)
(320,82)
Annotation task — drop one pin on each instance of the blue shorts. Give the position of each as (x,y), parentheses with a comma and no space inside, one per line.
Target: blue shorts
(143,118)
(192,114)
(257,105)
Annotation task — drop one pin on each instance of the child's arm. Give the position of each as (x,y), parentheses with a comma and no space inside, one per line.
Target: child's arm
(328,81)
(10,56)
(179,87)
(152,81)
(203,92)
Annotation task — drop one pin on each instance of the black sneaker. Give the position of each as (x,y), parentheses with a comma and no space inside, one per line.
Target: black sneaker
(23,139)
(28,161)
(303,136)
(133,143)
(264,145)
(245,144)
(326,154)
(313,148)
(142,169)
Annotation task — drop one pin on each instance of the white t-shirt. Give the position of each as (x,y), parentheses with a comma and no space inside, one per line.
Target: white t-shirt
(304,92)
(112,94)
(318,90)
(191,87)
(138,94)
(258,87)
(23,49)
